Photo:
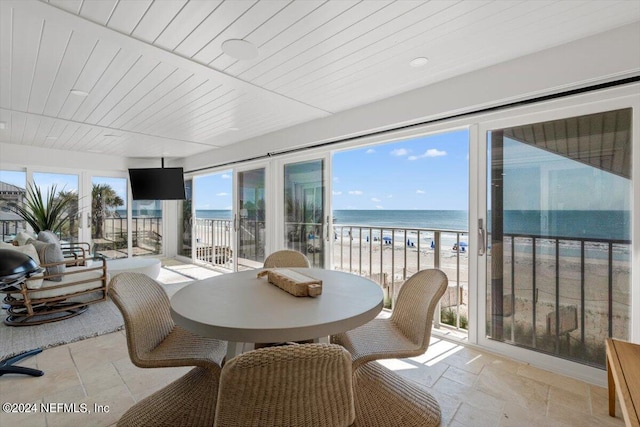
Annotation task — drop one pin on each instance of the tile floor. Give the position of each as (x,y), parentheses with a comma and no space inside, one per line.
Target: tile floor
(474,388)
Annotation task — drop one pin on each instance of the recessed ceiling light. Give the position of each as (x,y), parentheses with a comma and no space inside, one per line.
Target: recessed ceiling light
(239,49)
(79,92)
(51,138)
(419,62)
(234,128)
(3,125)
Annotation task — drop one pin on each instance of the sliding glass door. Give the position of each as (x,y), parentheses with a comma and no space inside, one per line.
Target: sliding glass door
(305,216)
(250,218)
(559,246)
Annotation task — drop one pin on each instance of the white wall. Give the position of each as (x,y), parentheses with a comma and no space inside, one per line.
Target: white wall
(600,58)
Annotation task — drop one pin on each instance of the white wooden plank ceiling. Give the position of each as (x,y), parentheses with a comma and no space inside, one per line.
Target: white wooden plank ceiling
(159,83)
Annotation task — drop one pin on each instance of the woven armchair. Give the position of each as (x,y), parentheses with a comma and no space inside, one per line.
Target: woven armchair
(384,398)
(287,258)
(190,401)
(407,332)
(153,339)
(294,385)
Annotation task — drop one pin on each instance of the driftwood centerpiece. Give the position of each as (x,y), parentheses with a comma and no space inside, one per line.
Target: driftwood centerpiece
(295,283)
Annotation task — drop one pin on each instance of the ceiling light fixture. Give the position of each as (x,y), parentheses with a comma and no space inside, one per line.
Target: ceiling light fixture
(419,62)
(239,49)
(79,92)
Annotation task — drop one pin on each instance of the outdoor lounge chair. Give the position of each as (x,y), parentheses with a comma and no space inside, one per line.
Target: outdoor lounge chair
(287,258)
(65,289)
(407,332)
(153,339)
(294,385)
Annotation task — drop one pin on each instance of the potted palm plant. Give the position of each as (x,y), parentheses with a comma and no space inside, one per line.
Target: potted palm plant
(48,212)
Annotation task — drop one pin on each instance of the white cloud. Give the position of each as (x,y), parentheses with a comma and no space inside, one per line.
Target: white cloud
(336,179)
(379,207)
(226,176)
(355,192)
(222,194)
(370,151)
(431,152)
(399,152)
(375,200)
(421,192)
(336,193)
(389,196)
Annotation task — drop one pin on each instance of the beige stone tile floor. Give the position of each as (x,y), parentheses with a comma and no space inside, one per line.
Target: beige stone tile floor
(474,388)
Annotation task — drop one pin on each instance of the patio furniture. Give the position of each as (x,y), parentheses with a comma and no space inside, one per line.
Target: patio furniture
(294,385)
(384,398)
(189,401)
(407,332)
(286,258)
(153,339)
(66,288)
(242,308)
(149,266)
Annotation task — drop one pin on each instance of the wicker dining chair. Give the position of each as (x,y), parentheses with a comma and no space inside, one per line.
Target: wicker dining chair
(384,398)
(407,332)
(287,258)
(293,385)
(153,339)
(189,401)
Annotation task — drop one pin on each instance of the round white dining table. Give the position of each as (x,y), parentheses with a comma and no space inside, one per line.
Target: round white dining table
(242,308)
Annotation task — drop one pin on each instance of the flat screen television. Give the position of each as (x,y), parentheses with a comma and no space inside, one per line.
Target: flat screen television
(157,184)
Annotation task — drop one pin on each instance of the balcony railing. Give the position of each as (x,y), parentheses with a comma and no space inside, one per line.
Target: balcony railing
(563,295)
(390,255)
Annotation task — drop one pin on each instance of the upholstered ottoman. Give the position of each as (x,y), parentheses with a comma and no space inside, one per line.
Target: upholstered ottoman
(148,266)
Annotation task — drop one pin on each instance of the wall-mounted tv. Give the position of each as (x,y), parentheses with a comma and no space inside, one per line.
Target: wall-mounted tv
(157,184)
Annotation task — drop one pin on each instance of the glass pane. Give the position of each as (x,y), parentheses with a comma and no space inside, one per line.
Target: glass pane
(13,186)
(304,209)
(559,270)
(251,219)
(185,220)
(146,227)
(109,216)
(63,186)
(213,229)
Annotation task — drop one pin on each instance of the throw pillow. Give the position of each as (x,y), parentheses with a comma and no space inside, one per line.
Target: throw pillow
(49,253)
(30,251)
(23,236)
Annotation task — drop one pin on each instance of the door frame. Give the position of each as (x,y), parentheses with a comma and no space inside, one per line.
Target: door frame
(279,214)
(588,103)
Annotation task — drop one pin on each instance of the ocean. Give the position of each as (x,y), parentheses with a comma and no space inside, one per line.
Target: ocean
(610,225)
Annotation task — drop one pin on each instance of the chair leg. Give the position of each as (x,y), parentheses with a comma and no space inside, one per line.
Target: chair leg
(6,365)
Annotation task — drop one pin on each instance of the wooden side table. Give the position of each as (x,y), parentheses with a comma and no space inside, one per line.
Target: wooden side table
(623,374)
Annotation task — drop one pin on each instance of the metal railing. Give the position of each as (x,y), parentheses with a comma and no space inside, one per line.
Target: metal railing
(10,227)
(390,255)
(213,241)
(558,294)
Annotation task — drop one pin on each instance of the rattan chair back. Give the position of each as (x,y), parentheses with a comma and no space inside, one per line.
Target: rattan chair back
(417,300)
(293,385)
(146,310)
(287,258)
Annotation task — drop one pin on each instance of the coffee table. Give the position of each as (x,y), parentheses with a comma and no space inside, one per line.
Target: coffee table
(241,308)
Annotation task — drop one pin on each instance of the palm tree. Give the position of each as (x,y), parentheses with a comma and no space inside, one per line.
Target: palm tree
(69,230)
(103,201)
(48,212)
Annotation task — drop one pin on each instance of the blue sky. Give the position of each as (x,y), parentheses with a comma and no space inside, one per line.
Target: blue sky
(213,191)
(422,173)
(430,173)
